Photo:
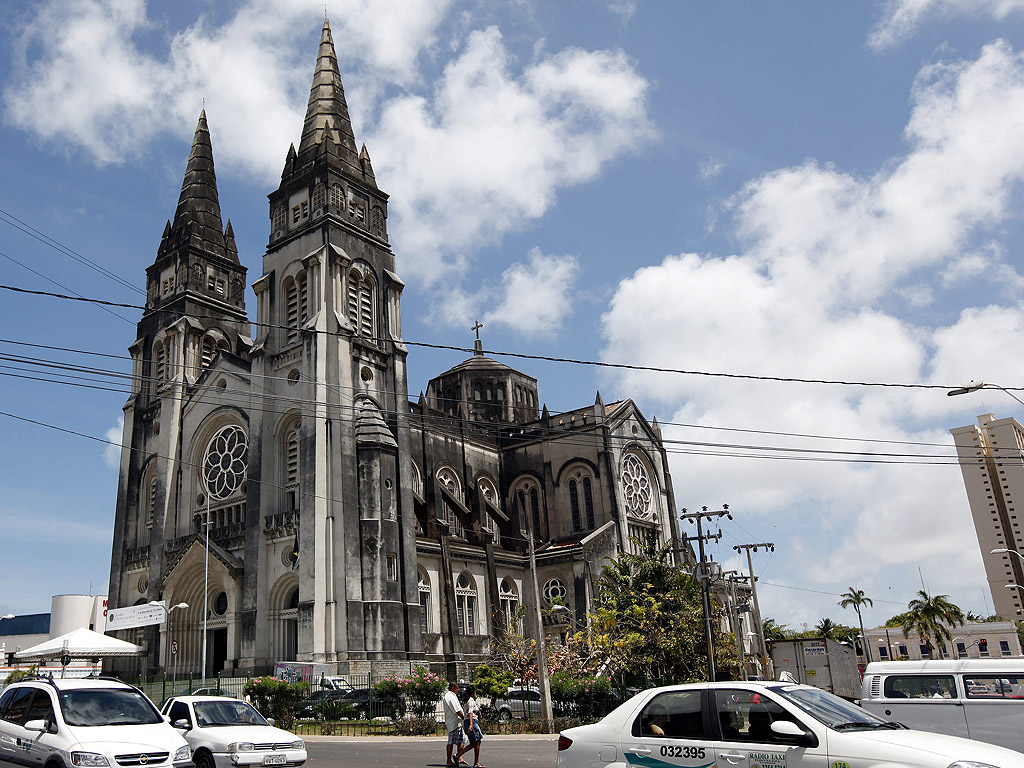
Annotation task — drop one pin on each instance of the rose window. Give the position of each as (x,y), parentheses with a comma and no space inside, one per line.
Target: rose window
(636,486)
(226,460)
(554,591)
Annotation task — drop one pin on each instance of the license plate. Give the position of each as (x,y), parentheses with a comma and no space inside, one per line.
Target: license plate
(275,759)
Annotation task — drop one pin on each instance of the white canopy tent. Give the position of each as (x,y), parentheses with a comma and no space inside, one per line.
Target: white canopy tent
(81,644)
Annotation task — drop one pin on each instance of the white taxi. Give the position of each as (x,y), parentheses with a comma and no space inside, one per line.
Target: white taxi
(226,733)
(761,725)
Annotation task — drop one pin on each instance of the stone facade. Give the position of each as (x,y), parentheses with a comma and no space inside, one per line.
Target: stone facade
(347,526)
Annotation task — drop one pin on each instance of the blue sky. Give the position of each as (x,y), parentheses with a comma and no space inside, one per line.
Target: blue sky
(793,190)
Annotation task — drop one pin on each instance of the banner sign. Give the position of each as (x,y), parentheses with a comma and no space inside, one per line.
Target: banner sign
(134,616)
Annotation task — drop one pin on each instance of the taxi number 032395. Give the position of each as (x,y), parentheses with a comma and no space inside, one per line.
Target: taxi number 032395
(696,753)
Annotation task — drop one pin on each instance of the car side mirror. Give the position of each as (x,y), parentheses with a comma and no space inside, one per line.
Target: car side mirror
(37,725)
(792,733)
(271,721)
(183,724)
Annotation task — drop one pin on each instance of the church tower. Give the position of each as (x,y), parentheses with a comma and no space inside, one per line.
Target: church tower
(329,440)
(194,324)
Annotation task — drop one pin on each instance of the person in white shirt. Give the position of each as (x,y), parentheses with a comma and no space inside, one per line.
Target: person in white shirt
(472,724)
(453,717)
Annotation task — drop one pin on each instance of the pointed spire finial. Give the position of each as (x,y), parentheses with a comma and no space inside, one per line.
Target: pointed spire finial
(327,103)
(478,347)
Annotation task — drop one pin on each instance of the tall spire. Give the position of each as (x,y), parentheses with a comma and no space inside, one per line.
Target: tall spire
(327,110)
(197,219)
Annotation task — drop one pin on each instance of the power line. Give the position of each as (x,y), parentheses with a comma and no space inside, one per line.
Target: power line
(552,358)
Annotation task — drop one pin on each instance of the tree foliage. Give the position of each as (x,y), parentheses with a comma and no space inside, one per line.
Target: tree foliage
(649,620)
(931,617)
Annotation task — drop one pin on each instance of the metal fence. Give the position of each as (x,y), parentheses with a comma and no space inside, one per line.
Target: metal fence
(366,715)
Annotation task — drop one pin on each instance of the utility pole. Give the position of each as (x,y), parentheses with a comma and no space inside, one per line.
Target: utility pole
(542,652)
(704,574)
(765,663)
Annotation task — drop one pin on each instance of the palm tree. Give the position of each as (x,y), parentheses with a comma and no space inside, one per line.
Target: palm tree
(826,628)
(931,616)
(773,631)
(855,598)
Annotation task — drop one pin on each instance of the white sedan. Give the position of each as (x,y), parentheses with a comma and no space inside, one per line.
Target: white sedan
(226,733)
(761,725)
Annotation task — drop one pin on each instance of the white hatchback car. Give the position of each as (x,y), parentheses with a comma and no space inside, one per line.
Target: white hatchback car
(761,725)
(85,723)
(225,732)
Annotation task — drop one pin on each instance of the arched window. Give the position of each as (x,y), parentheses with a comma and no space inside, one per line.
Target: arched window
(337,197)
(279,218)
(527,495)
(360,303)
(448,478)
(377,223)
(291,468)
(508,598)
(588,502)
(581,501)
(477,392)
(574,504)
(147,506)
(465,604)
(319,196)
(424,588)
(490,495)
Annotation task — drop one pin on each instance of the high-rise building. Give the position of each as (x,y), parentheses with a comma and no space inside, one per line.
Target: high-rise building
(993,470)
(280,482)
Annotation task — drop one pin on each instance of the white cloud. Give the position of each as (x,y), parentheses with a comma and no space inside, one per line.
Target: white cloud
(535,295)
(901,17)
(112,453)
(482,154)
(710,168)
(488,153)
(828,260)
(118,97)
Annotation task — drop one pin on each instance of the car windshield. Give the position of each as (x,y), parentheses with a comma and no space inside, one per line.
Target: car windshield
(217,713)
(830,709)
(107,706)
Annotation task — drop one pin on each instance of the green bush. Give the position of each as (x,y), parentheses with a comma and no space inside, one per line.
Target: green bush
(19,674)
(582,697)
(419,691)
(490,682)
(276,698)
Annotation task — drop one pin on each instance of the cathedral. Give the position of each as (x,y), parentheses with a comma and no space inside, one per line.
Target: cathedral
(280,482)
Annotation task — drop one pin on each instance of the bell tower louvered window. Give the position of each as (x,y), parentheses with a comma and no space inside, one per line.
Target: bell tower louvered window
(160,353)
(360,303)
(291,469)
(296,307)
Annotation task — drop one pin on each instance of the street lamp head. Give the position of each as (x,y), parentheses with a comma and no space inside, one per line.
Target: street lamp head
(181,605)
(972,386)
(1000,551)
(8,616)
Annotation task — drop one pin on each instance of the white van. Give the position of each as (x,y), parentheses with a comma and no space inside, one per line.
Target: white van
(981,699)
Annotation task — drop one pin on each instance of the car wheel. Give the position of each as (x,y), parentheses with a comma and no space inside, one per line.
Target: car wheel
(504,715)
(203,760)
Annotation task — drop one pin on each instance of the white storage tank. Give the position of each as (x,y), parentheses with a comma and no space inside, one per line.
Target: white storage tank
(71,612)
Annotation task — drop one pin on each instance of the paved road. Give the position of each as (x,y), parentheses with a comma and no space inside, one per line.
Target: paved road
(427,752)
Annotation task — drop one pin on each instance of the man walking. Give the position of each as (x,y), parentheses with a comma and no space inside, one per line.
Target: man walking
(453,718)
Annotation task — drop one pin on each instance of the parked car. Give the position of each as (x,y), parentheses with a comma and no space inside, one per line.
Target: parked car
(88,722)
(518,702)
(211,692)
(354,704)
(224,732)
(763,724)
